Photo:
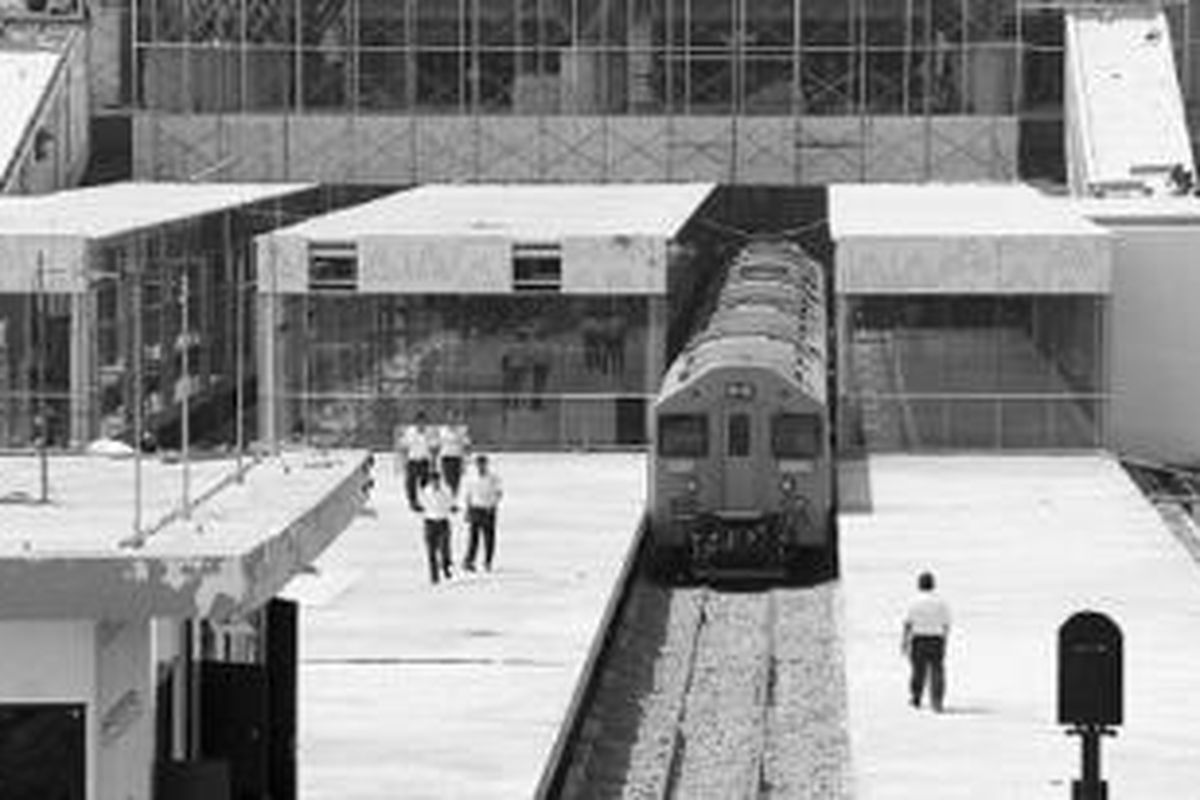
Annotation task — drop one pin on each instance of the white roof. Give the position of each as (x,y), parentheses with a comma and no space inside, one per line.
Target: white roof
(25,75)
(950,210)
(1168,210)
(955,239)
(100,211)
(516,212)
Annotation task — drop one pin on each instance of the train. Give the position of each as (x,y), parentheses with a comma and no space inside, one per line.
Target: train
(742,462)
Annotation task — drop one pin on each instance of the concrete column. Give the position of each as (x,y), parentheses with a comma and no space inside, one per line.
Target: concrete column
(124,710)
(84,408)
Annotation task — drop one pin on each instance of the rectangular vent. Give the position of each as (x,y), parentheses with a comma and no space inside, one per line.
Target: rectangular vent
(537,267)
(333,267)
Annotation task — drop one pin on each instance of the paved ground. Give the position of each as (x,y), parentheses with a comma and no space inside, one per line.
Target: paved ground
(1019,544)
(458,690)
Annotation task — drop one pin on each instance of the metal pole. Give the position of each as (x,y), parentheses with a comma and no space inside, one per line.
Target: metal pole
(185,426)
(43,422)
(136,298)
(239,346)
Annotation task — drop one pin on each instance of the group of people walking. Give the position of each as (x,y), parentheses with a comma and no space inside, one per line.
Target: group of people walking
(437,486)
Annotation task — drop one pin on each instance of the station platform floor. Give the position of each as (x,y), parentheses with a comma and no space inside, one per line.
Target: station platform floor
(1018,544)
(458,690)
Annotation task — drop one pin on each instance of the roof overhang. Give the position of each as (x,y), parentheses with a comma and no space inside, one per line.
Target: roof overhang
(964,239)
(610,238)
(240,545)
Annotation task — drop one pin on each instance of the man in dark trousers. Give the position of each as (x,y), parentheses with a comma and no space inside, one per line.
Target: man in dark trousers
(926,629)
(419,444)
(436,505)
(482,492)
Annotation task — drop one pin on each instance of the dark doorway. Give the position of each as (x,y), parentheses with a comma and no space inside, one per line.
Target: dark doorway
(43,752)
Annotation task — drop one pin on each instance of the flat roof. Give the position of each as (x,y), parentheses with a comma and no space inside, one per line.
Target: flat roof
(73,557)
(111,209)
(25,75)
(520,212)
(951,210)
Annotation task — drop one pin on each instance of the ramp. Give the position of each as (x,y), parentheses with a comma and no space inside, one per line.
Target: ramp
(1125,124)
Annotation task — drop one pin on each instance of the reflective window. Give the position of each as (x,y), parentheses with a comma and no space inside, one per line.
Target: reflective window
(737,438)
(796,436)
(683,436)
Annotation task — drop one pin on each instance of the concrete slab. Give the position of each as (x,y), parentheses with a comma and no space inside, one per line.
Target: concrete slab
(1018,544)
(458,690)
(77,555)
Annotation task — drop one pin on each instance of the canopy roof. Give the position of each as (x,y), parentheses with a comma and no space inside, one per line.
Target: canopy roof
(964,238)
(533,213)
(98,212)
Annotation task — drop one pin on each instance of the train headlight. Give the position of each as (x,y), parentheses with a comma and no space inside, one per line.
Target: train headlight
(788,484)
(692,485)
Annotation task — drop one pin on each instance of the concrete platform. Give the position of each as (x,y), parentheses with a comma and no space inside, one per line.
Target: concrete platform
(1018,545)
(458,690)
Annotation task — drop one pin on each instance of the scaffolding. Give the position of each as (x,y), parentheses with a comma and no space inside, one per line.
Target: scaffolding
(776,91)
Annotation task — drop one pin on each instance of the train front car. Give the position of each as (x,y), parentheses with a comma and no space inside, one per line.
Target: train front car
(742,470)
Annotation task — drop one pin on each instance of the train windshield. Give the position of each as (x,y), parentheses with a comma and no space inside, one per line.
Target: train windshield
(683,436)
(796,436)
(763,272)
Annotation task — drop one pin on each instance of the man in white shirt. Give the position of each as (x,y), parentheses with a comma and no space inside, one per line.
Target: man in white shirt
(419,445)
(482,493)
(436,505)
(926,629)
(454,440)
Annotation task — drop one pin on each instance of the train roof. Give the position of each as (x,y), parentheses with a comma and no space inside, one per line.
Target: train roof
(801,365)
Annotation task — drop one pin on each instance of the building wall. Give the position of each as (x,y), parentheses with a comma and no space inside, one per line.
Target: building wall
(1155,374)
(52,662)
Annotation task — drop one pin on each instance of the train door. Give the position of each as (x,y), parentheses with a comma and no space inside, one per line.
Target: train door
(739,480)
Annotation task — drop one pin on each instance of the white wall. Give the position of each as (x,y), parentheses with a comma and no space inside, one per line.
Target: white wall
(51,662)
(1155,345)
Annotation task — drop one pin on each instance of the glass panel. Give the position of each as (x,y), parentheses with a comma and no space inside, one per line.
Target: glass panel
(768,85)
(326,77)
(383,80)
(738,436)
(770,23)
(440,80)
(683,436)
(972,424)
(441,22)
(711,22)
(796,436)
(825,22)
(382,23)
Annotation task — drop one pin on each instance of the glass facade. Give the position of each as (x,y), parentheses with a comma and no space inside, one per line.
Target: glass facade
(580,57)
(974,372)
(522,370)
(35,379)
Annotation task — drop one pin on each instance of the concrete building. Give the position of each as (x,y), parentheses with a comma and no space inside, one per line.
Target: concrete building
(771,91)
(537,313)
(143,654)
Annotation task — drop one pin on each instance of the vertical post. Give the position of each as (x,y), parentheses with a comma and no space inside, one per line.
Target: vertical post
(1089,786)
(239,347)
(185,376)
(138,423)
(41,418)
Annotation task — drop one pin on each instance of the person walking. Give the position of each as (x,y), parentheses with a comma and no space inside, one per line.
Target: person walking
(436,505)
(482,493)
(455,440)
(926,629)
(419,445)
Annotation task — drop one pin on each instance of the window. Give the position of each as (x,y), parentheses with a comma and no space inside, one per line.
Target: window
(332,267)
(683,436)
(738,441)
(537,267)
(796,436)
(763,272)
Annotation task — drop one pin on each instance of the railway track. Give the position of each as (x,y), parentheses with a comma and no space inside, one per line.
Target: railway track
(709,693)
